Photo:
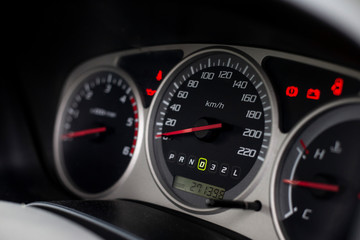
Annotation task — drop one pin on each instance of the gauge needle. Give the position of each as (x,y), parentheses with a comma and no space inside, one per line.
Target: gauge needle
(314,185)
(189,130)
(83,132)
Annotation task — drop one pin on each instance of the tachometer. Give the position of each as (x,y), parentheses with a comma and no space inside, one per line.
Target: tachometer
(210,127)
(96,131)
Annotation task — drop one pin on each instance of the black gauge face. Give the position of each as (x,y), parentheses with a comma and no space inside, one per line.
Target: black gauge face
(98,131)
(211,129)
(318,186)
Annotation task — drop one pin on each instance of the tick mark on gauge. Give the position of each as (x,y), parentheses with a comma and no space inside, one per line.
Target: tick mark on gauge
(257,86)
(109,78)
(246,68)
(228,64)
(267,108)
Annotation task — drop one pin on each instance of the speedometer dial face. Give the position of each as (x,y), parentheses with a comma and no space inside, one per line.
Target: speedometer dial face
(97,131)
(210,127)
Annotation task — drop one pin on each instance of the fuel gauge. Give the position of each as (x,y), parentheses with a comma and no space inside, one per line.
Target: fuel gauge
(317,185)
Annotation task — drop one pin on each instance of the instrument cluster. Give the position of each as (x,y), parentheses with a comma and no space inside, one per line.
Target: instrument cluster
(237,136)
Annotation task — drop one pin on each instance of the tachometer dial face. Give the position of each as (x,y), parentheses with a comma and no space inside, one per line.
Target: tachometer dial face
(97,132)
(210,127)
(317,192)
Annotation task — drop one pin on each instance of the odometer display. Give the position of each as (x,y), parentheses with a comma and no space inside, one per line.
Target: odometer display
(212,124)
(198,188)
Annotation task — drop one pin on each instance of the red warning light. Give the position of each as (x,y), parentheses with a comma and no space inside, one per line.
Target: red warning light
(292,91)
(313,94)
(337,87)
(159,75)
(150,92)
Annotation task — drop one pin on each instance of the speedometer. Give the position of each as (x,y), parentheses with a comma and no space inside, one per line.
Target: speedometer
(210,127)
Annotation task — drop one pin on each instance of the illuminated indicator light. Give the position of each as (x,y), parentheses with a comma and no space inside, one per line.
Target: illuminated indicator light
(304,146)
(337,87)
(313,94)
(202,164)
(292,91)
(150,92)
(159,75)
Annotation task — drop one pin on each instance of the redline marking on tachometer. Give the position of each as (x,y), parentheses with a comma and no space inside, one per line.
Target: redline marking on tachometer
(314,185)
(83,133)
(304,146)
(189,130)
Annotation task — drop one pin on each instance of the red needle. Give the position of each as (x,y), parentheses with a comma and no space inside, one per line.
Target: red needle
(320,186)
(83,132)
(189,130)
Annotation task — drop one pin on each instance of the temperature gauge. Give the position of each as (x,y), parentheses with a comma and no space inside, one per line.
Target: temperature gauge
(318,183)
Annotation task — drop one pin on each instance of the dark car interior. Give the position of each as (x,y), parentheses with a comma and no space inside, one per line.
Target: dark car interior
(167,120)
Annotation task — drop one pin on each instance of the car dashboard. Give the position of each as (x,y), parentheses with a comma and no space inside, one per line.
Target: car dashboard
(131,124)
